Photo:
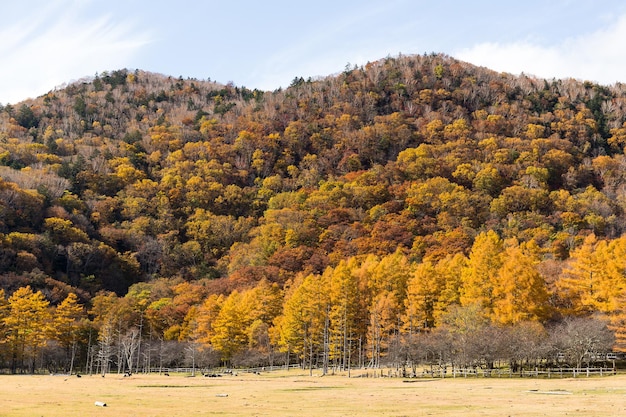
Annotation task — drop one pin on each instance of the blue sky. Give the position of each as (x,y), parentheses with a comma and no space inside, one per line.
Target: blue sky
(265,44)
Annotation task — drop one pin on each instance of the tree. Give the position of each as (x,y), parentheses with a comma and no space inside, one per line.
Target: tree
(384,324)
(207,313)
(304,324)
(391,274)
(449,270)
(585,280)
(480,274)
(67,323)
(465,325)
(26,326)
(526,343)
(519,292)
(347,313)
(581,339)
(229,334)
(451,204)
(130,344)
(26,118)
(386,280)
(106,340)
(424,289)
(112,317)
(4,313)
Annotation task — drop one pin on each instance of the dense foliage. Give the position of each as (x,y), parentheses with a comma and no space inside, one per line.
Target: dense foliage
(328,219)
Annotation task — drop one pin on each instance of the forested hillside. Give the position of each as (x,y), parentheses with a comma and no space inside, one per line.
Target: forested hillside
(334,219)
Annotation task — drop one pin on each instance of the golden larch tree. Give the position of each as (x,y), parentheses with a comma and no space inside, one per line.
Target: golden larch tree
(481,272)
(348,315)
(304,324)
(67,322)
(423,292)
(593,280)
(206,315)
(520,292)
(449,270)
(229,334)
(26,326)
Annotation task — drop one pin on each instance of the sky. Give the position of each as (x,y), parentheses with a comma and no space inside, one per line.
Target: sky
(45,44)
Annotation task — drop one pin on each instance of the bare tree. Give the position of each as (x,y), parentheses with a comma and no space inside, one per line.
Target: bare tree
(582,339)
(130,344)
(526,343)
(105,343)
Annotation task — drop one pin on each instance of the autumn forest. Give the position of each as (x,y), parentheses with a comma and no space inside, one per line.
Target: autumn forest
(414,209)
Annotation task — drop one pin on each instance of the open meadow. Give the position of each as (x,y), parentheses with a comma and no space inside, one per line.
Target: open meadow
(294,393)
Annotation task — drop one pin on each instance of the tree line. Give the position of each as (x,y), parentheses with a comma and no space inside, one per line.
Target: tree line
(493,306)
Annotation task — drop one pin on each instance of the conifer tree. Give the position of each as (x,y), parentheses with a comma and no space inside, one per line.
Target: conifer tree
(206,315)
(383,326)
(66,325)
(4,313)
(584,279)
(26,326)
(520,292)
(386,280)
(304,325)
(480,274)
(449,270)
(595,280)
(348,317)
(229,333)
(423,293)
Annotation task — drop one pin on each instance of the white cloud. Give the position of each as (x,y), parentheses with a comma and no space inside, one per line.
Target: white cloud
(60,44)
(597,56)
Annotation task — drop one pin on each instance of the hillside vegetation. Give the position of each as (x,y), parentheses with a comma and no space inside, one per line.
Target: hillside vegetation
(334,218)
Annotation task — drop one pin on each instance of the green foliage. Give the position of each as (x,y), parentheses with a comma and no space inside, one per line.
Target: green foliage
(26,118)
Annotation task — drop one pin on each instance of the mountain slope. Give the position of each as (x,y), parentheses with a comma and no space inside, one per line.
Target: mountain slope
(132,176)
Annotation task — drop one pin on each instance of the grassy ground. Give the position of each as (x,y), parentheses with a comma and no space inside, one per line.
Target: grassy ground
(295,393)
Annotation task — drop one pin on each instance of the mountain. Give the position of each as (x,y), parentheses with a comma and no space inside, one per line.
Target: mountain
(453,184)
(131,175)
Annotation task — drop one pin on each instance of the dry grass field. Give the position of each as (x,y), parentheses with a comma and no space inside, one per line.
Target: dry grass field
(294,393)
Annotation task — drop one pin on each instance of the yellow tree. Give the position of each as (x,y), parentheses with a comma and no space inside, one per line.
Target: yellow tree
(66,325)
(586,282)
(610,287)
(383,325)
(4,313)
(348,312)
(229,334)
(423,292)
(304,324)
(616,290)
(449,270)
(520,293)
(26,326)
(595,281)
(206,315)
(386,280)
(292,325)
(480,274)
(261,305)
(391,274)
(263,302)
(244,319)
